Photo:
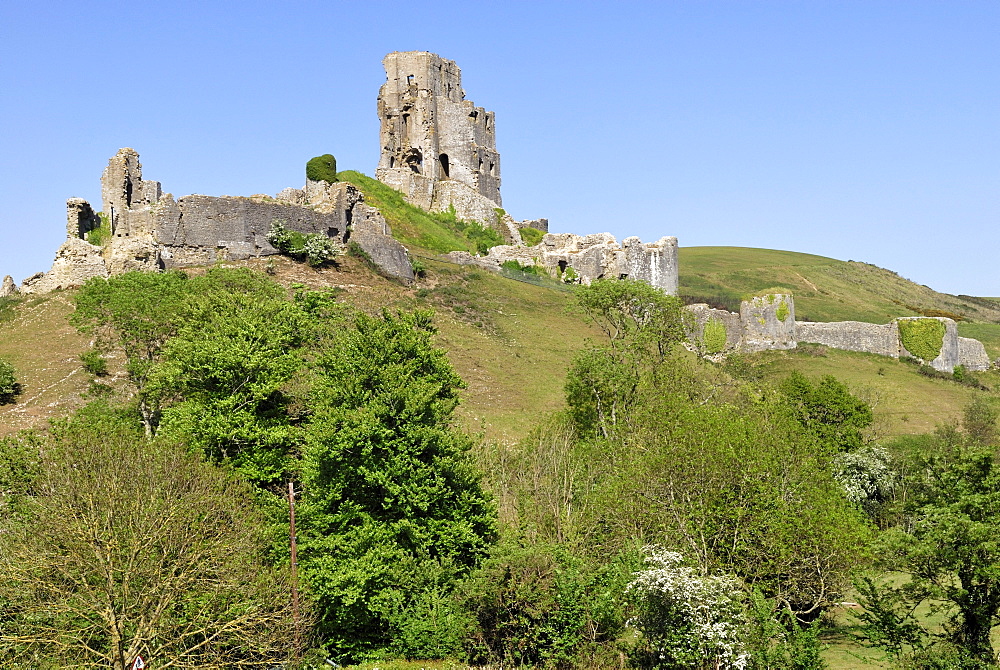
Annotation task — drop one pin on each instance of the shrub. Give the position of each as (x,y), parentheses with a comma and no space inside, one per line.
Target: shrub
(531,236)
(922,337)
(541,605)
(94,363)
(10,388)
(316,249)
(354,249)
(515,266)
(688,620)
(322,168)
(419,268)
(569,275)
(713,338)
(102,234)
(782,312)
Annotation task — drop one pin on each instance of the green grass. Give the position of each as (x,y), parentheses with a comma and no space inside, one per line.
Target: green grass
(511,341)
(437,232)
(825,289)
(905,402)
(102,234)
(531,236)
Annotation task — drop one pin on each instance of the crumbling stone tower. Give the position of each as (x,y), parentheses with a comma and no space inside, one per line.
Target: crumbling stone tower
(438,148)
(122,187)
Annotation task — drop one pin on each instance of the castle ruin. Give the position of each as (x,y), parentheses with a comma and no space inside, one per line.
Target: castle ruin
(438,148)
(150,230)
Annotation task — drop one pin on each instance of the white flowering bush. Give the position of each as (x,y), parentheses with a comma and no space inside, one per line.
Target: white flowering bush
(315,248)
(866,476)
(689,620)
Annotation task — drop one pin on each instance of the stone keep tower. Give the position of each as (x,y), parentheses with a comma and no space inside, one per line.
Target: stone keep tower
(430,133)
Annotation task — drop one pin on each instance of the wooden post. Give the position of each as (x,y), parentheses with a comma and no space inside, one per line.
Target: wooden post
(296,620)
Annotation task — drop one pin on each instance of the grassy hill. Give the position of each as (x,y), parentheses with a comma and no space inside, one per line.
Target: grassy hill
(825,289)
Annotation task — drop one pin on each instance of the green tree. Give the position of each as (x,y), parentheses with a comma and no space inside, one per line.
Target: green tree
(137,312)
(322,168)
(223,379)
(949,550)
(829,411)
(388,486)
(10,388)
(642,325)
(118,546)
(979,421)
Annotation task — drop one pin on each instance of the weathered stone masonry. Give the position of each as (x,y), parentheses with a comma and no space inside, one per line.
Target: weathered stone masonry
(152,231)
(760,326)
(438,148)
(591,257)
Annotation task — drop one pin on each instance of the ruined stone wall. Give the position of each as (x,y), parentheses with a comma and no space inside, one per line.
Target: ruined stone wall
(972,354)
(655,262)
(122,185)
(76,261)
(429,128)
(153,231)
(202,229)
(703,317)
(591,257)
(80,218)
(760,327)
(852,336)
(768,323)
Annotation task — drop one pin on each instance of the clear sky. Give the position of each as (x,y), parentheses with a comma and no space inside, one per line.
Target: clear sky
(864,130)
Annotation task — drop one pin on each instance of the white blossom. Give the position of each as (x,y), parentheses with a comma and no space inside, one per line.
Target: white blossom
(689,616)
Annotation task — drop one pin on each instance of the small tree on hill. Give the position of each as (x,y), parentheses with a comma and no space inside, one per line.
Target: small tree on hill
(9,386)
(322,168)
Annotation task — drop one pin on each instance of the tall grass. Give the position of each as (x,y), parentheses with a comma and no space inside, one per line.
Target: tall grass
(439,232)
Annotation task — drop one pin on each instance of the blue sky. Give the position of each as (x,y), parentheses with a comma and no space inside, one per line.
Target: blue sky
(864,130)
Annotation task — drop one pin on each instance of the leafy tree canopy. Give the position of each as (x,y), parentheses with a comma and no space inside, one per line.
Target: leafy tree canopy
(119,546)
(829,411)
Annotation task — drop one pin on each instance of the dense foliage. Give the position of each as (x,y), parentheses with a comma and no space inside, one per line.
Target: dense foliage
(115,546)
(922,337)
(751,504)
(322,168)
(354,408)
(10,388)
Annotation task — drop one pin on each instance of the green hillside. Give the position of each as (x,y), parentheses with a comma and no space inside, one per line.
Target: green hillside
(825,289)
(512,343)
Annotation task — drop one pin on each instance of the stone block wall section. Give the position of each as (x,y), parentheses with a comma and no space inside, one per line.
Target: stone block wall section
(972,354)
(768,322)
(759,327)
(882,339)
(704,318)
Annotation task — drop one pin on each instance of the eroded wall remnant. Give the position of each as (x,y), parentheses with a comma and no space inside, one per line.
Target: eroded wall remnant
(438,148)
(589,257)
